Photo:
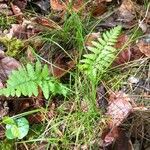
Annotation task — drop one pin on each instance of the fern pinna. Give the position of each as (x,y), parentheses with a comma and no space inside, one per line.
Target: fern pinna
(102,54)
(26,81)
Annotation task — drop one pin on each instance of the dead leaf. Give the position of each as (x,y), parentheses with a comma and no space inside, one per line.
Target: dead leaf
(23,31)
(46,23)
(7,65)
(61,66)
(125,55)
(144,45)
(127,11)
(20,3)
(119,108)
(57,5)
(17,12)
(99,9)
(122,141)
(91,37)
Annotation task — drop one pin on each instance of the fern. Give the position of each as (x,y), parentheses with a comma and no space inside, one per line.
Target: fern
(102,54)
(26,81)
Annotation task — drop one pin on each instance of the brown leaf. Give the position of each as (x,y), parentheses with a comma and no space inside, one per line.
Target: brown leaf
(57,5)
(91,37)
(99,9)
(62,66)
(17,12)
(144,45)
(7,65)
(22,31)
(20,3)
(119,108)
(125,55)
(46,23)
(122,141)
(127,11)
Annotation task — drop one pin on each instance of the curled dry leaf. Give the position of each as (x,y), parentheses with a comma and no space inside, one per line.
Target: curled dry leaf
(57,5)
(144,45)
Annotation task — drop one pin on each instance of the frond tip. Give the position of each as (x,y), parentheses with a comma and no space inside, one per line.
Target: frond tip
(26,81)
(102,54)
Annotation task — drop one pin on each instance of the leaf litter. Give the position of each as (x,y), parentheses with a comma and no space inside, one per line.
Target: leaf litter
(125,106)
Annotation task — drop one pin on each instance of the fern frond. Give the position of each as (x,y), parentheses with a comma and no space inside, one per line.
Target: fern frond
(102,54)
(26,80)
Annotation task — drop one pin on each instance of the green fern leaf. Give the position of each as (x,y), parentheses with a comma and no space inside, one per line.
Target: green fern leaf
(102,54)
(26,80)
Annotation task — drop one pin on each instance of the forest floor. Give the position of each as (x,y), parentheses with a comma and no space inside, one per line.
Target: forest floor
(75,75)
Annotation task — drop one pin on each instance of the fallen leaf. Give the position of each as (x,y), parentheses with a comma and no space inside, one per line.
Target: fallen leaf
(144,45)
(20,3)
(119,108)
(17,12)
(99,9)
(91,37)
(46,23)
(122,141)
(57,5)
(61,66)
(125,55)
(7,65)
(126,11)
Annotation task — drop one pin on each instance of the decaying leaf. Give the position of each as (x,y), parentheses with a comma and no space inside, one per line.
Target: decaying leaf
(118,110)
(7,65)
(20,3)
(59,5)
(61,66)
(144,45)
(125,55)
(127,11)
(17,12)
(46,23)
(91,37)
